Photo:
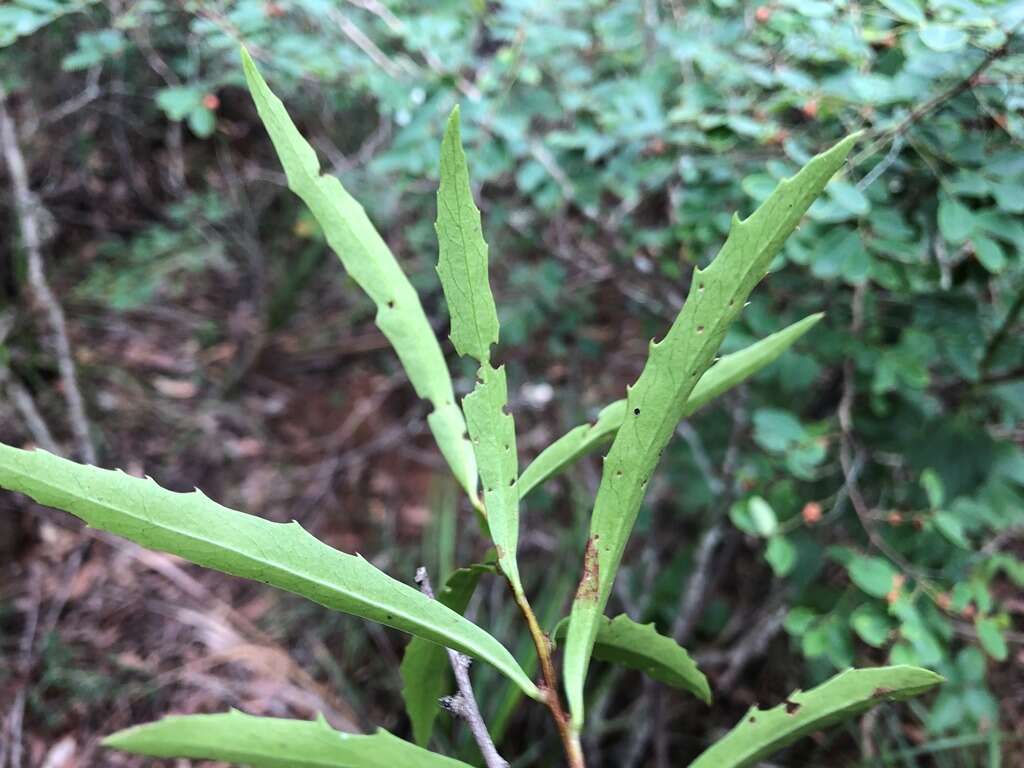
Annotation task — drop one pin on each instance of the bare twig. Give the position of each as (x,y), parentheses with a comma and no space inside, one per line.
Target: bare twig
(14,721)
(89,94)
(926,108)
(995,343)
(464,703)
(26,408)
(884,164)
(27,209)
(849,456)
(381,11)
(697,587)
(24,404)
(354,33)
(637,747)
(702,577)
(752,644)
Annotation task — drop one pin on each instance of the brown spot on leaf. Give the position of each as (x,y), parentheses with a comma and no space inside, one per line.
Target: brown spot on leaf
(880,693)
(791,707)
(587,591)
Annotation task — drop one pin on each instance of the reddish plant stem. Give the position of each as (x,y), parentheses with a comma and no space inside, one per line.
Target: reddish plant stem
(570,740)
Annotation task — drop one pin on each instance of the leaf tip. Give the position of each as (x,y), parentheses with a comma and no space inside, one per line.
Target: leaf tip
(704,693)
(253,79)
(248,65)
(843,147)
(453,128)
(119,739)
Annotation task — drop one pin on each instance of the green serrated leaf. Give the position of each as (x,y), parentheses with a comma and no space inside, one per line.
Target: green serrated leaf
(462,266)
(656,402)
(763,732)
(371,264)
(720,377)
(462,263)
(493,434)
(425,669)
(639,646)
(283,555)
(271,742)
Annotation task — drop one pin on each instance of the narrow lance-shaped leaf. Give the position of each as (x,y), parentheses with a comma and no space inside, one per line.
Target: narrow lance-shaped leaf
(624,642)
(272,742)
(371,264)
(283,555)
(762,732)
(658,399)
(720,377)
(425,669)
(462,266)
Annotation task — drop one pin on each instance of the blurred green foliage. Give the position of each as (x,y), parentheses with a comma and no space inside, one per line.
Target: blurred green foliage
(635,130)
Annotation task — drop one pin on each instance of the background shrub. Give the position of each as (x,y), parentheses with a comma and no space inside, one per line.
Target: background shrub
(858,501)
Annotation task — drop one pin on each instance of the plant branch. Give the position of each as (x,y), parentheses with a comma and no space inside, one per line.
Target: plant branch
(692,600)
(464,703)
(703,575)
(751,645)
(996,342)
(27,208)
(23,403)
(570,739)
(352,31)
(922,110)
(850,456)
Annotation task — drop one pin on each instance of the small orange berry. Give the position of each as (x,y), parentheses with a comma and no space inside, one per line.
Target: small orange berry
(762,14)
(898,580)
(211,102)
(811,512)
